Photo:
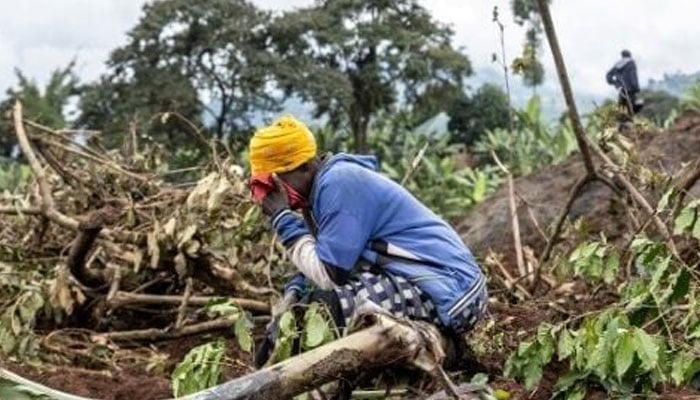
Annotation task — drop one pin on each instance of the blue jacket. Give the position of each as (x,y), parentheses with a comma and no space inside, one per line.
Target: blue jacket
(623,75)
(363,215)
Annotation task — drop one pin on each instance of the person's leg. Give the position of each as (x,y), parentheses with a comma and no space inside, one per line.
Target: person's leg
(392,293)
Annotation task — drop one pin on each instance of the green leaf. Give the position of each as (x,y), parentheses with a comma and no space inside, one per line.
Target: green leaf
(314,329)
(663,202)
(624,354)
(612,265)
(242,330)
(578,393)
(532,374)
(199,370)
(566,344)
(647,349)
(685,220)
(696,230)
(288,325)
(680,366)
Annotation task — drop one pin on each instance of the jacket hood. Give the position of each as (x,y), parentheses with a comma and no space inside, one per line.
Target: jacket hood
(369,162)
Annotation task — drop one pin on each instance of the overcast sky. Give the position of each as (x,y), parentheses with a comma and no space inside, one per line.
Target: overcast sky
(38,35)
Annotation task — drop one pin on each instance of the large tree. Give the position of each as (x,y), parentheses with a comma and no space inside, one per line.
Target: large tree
(355,58)
(472,116)
(191,57)
(44,105)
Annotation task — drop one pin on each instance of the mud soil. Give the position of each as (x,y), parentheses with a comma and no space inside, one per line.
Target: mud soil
(132,384)
(545,192)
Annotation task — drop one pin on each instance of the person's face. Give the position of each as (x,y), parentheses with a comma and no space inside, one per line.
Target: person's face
(300,179)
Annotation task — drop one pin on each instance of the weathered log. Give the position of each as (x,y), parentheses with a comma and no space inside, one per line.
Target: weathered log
(387,342)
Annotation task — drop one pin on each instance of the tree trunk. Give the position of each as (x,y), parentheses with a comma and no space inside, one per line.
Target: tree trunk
(359,126)
(566,85)
(389,342)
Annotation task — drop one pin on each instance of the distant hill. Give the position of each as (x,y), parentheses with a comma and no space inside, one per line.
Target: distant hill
(676,84)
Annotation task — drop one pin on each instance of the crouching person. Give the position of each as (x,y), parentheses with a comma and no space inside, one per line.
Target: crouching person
(362,236)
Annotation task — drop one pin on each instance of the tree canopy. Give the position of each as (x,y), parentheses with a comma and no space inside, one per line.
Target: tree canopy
(352,59)
(206,60)
(45,106)
(472,116)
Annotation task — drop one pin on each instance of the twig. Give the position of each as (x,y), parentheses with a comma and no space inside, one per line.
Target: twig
(47,206)
(515,223)
(122,298)
(573,195)
(182,310)
(116,281)
(508,279)
(634,193)
(531,214)
(566,86)
(19,210)
(685,180)
(107,163)
(151,334)
(414,164)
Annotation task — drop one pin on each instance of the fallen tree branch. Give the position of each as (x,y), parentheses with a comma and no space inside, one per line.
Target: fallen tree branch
(156,334)
(634,193)
(89,229)
(182,309)
(47,205)
(125,298)
(388,342)
(573,195)
(515,223)
(20,210)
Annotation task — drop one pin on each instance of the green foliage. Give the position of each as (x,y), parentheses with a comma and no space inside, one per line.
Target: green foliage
(355,59)
(472,116)
(615,348)
(436,180)
(595,260)
(528,361)
(318,329)
(243,326)
(534,143)
(42,105)
(13,176)
(199,370)
(687,220)
(22,301)
(13,391)
(691,98)
(190,58)
(658,106)
(528,65)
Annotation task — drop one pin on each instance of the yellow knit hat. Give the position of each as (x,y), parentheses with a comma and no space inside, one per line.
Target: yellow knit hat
(281,147)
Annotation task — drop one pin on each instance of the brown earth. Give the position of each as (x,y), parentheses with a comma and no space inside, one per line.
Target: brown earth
(134,383)
(545,193)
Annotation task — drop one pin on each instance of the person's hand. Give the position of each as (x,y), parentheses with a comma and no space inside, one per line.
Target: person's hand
(288,301)
(276,201)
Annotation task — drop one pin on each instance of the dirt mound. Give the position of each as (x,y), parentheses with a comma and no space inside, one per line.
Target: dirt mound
(544,194)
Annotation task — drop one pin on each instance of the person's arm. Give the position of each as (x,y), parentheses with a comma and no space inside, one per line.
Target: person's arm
(634,81)
(301,249)
(611,77)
